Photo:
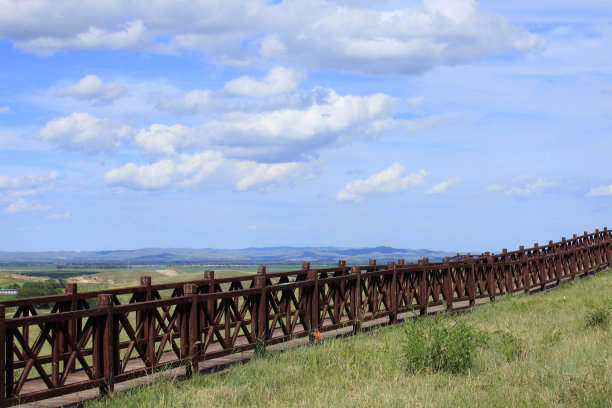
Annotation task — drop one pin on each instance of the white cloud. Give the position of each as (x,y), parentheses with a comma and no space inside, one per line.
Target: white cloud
(125,35)
(59,216)
(312,33)
(251,174)
(443,187)
(160,140)
(83,133)
(20,186)
(5,109)
(391,180)
(530,189)
(296,133)
(92,88)
(282,128)
(526,186)
(26,182)
(207,169)
(192,103)
(600,191)
(21,204)
(278,81)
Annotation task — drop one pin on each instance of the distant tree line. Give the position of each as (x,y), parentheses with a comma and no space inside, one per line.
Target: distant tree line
(36,289)
(92,266)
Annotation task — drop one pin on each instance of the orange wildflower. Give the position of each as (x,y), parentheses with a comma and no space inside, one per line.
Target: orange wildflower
(317,334)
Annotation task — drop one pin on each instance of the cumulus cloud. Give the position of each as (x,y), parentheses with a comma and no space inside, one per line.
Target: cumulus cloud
(16,188)
(278,81)
(294,133)
(206,169)
(318,34)
(5,109)
(160,140)
(443,187)
(92,88)
(124,35)
(391,180)
(83,133)
(295,127)
(192,103)
(600,191)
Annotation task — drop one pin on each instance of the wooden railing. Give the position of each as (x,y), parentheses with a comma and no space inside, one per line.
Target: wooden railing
(78,346)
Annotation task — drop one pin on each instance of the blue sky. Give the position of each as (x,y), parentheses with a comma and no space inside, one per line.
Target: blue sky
(442,124)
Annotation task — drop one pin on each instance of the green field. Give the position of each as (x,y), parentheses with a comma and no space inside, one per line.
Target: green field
(106,276)
(551,354)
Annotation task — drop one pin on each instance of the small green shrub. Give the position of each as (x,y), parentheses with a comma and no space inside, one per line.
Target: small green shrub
(438,344)
(598,317)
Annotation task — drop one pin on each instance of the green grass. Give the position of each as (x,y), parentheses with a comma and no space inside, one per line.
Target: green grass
(543,350)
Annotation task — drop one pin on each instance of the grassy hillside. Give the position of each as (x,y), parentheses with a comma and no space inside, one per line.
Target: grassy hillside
(545,350)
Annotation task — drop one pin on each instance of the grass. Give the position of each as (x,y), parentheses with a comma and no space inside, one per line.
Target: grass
(544,350)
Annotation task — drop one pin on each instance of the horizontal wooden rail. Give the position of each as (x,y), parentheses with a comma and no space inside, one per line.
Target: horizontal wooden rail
(78,346)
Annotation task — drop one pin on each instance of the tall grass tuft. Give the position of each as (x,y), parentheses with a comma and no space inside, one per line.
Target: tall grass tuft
(598,317)
(441,344)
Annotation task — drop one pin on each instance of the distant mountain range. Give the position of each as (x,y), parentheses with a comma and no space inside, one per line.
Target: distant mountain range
(247,255)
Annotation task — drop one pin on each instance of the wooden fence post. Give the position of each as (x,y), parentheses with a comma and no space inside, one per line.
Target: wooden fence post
(423,291)
(524,265)
(553,261)
(471,280)
(542,272)
(106,356)
(587,253)
(261,310)
(507,271)
(210,305)
(401,262)
(598,258)
(447,284)
(2,357)
(193,328)
(572,255)
(7,373)
(356,298)
(339,287)
(72,289)
(9,359)
(587,258)
(147,334)
(393,293)
(56,349)
(490,270)
(313,301)
(608,246)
